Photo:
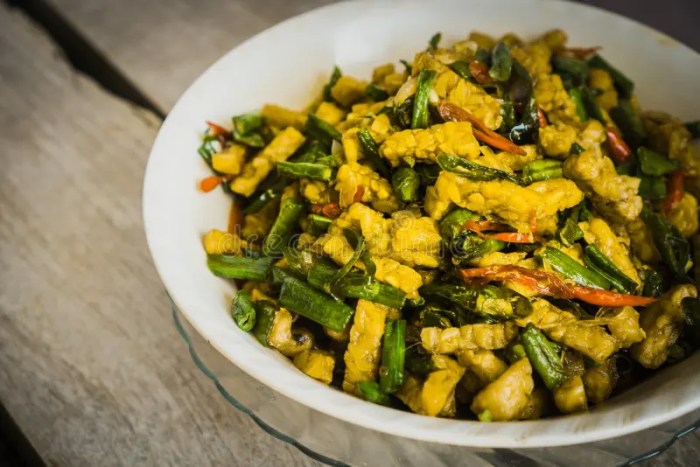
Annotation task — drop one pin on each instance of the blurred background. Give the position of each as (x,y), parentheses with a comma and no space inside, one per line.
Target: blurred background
(85,77)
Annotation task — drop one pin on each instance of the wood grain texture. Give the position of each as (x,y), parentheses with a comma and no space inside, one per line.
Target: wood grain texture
(91,367)
(138,36)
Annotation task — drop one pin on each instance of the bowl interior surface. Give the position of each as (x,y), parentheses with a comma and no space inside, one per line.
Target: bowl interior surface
(288,64)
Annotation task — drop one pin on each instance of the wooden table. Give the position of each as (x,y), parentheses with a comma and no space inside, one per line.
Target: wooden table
(92,371)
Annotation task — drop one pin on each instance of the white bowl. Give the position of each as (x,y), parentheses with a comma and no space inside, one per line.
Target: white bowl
(287,64)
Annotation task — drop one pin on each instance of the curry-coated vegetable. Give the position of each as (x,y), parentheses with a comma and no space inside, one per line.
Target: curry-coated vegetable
(488,232)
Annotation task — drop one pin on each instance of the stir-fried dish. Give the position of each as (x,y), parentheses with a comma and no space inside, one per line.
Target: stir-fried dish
(495,231)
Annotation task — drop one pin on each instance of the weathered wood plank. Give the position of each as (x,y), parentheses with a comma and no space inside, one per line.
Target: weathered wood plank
(91,367)
(139,37)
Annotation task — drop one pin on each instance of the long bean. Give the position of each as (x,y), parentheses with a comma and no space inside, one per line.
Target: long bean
(543,169)
(420,104)
(281,230)
(265,315)
(371,392)
(239,267)
(305,169)
(391,371)
(544,357)
(356,285)
(406,181)
(243,311)
(299,297)
(472,170)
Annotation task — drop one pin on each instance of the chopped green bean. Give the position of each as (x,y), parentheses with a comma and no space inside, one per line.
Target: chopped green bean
(544,356)
(265,314)
(305,169)
(515,352)
(576,95)
(371,392)
(391,371)
(246,130)
(420,103)
(543,169)
(282,228)
(453,223)
(299,297)
(239,267)
(472,170)
(357,285)
(406,181)
(243,311)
